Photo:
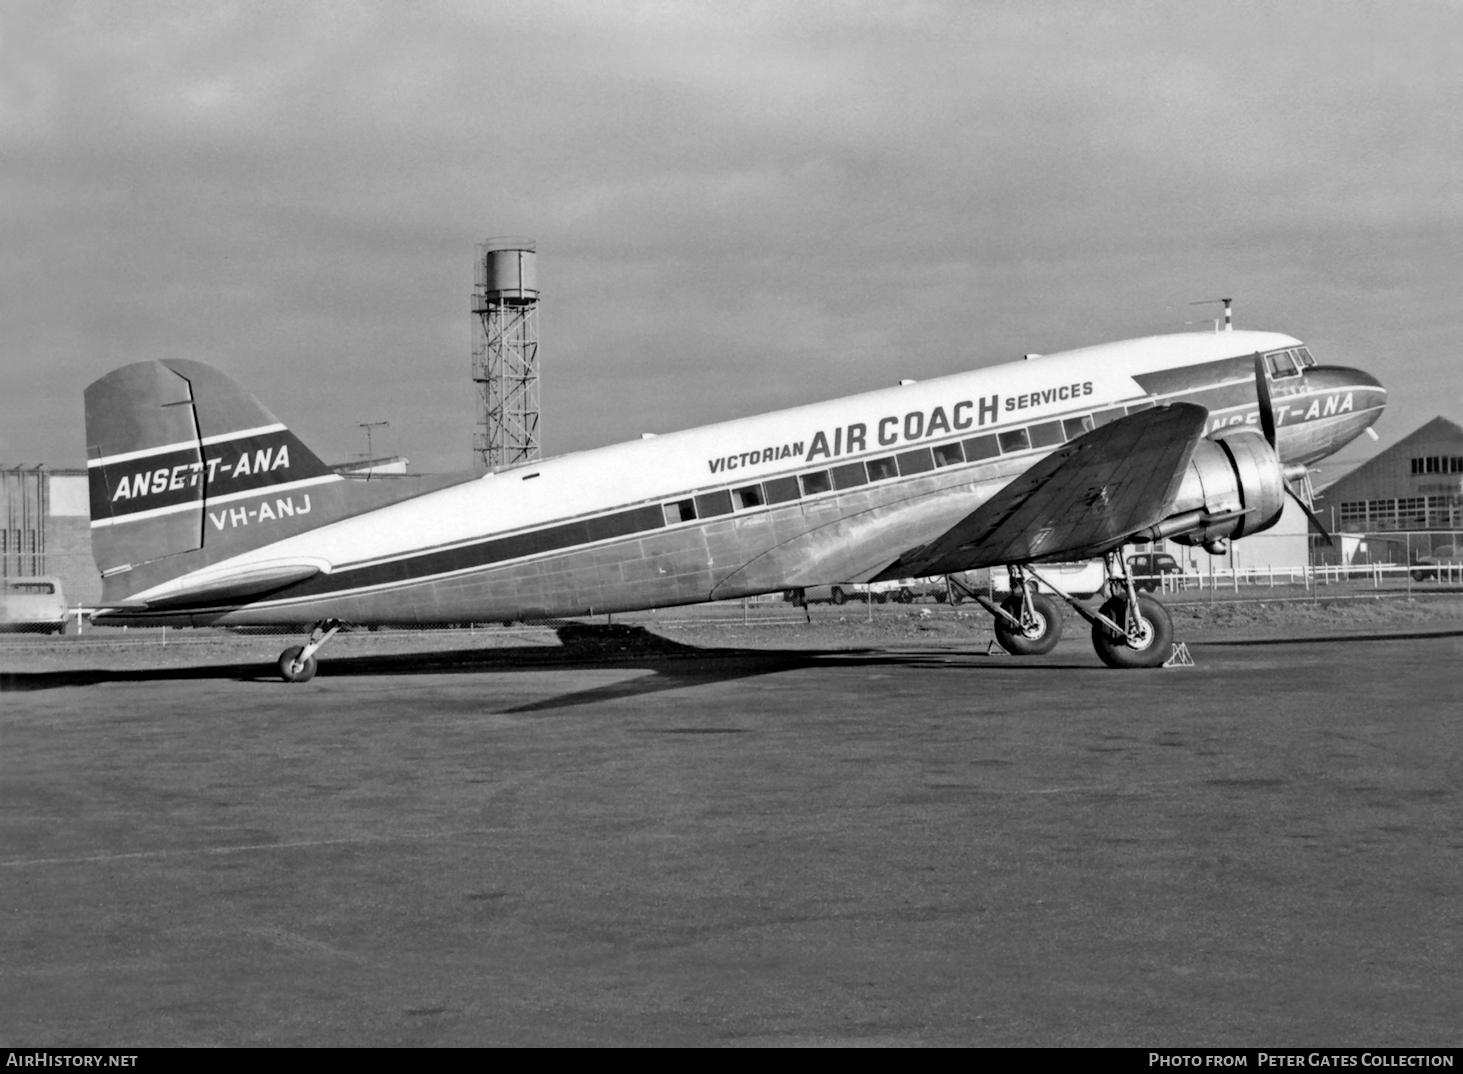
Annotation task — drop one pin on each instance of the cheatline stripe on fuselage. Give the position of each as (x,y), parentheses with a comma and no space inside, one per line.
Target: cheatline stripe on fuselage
(212,501)
(479,554)
(183,445)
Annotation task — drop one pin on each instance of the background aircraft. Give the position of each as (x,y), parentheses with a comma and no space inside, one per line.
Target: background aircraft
(207,510)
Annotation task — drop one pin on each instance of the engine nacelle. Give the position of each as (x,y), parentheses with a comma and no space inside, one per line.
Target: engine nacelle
(1234,486)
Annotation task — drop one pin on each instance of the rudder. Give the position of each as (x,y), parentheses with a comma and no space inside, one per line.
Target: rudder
(187,468)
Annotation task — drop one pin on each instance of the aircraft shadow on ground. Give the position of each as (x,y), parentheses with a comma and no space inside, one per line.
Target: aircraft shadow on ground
(582,647)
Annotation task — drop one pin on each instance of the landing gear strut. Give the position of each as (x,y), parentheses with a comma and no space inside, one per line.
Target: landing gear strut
(1027,623)
(297,663)
(1129,630)
(1145,637)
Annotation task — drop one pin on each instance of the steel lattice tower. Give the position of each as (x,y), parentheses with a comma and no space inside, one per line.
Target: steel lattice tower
(505,352)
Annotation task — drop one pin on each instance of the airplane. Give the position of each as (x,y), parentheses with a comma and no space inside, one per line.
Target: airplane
(207,510)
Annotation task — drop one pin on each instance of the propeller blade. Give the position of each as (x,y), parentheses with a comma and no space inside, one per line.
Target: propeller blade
(1262,391)
(1311,514)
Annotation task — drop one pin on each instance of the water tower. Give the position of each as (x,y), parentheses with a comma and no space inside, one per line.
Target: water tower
(505,352)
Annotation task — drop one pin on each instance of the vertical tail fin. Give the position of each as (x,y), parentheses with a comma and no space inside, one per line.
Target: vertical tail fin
(186,468)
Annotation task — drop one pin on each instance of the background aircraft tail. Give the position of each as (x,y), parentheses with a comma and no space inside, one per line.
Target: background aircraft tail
(186,469)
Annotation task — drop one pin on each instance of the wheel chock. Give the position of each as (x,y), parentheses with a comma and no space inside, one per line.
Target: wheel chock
(1180,657)
(993,648)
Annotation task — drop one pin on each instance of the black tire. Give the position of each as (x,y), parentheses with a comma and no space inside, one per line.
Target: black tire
(1156,646)
(838,597)
(1422,576)
(905,596)
(286,665)
(941,596)
(1043,638)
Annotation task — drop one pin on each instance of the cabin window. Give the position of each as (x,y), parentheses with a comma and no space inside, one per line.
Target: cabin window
(1015,440)
(1075,427)
(1047,434)
(781,489)
(680,511)
(914,462)
(982,447)
(849,475)
(711,504)
(1107,417)
(815,482)
(882,469)
(948,455)
(747,496)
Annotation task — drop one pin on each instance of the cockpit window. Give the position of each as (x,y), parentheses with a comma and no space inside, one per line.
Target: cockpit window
(1282,364)
(1305,357)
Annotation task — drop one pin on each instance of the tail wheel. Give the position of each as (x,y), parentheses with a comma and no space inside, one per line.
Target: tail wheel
(1149,646)
(905,595)
(287,669)
(1040,637)
(838,596)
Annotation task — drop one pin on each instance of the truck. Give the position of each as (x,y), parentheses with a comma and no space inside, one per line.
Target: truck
(34,605)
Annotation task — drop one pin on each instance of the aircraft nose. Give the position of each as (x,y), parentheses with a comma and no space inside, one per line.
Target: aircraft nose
(1337,405)
(1340,376)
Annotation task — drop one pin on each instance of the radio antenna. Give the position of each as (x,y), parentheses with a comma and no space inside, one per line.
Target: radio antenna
(1228,311)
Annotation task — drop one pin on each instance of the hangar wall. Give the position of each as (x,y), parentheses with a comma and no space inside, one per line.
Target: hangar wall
(1405,502)
(45,530)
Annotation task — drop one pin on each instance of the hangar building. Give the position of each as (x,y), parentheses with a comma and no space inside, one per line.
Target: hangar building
(45,530)
(1405,502)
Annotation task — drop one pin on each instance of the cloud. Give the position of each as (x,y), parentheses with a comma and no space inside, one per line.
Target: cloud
(736,206)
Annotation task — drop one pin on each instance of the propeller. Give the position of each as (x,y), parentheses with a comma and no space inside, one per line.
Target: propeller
(1302,495)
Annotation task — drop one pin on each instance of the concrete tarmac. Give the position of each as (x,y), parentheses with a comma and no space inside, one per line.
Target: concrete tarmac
(919,845)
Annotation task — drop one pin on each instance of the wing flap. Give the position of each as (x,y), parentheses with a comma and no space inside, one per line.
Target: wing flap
(1079,501)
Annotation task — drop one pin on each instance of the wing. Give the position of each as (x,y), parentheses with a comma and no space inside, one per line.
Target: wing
(1079,501)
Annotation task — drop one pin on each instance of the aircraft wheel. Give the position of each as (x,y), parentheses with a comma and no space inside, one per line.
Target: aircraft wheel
(905,596)
(941,596)
(1044,633)
(287,665)
(839,596)
(1153,644)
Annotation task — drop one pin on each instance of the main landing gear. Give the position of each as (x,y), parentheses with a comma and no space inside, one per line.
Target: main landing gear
(297,663)
(1129,630)
(1028,623)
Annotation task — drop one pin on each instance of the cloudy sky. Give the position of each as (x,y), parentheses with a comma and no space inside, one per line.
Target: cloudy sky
(737,206)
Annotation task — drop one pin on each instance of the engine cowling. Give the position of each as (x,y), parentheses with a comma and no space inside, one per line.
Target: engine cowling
(1234,487)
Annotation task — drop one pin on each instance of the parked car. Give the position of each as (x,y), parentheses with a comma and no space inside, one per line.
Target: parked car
(1444,555)
(825,594)
(1148,569)
(901,591)
(33,605)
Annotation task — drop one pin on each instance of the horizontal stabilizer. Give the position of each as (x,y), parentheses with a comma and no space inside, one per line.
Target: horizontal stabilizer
(1081,500)
(228,585)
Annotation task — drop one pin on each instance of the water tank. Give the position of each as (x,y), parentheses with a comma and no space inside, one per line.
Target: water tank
(509,273)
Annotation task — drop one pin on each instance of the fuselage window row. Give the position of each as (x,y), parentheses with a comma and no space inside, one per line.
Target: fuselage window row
(777,490)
